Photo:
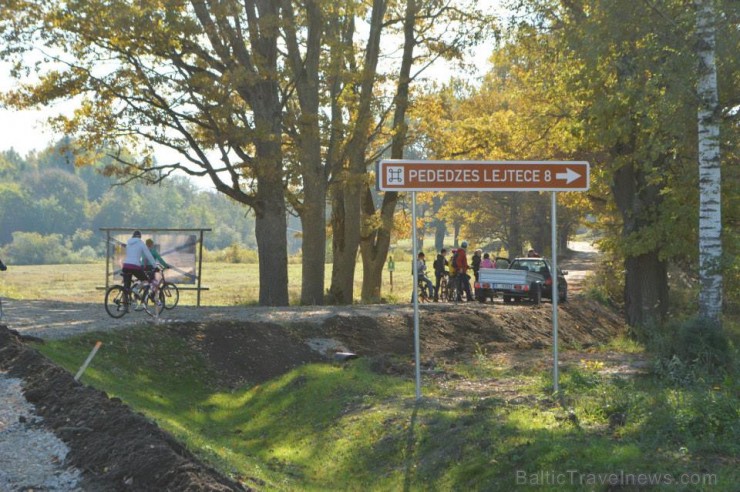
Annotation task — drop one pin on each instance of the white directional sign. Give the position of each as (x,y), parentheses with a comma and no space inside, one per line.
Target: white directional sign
(413,175)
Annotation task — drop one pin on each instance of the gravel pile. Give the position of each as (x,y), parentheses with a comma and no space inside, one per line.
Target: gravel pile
(31,457)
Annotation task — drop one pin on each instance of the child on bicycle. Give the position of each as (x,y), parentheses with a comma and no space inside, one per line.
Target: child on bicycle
(422,279)
(157,257)
(151,269)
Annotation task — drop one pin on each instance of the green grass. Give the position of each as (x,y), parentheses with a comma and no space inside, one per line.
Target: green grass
(327,427)
(229,284)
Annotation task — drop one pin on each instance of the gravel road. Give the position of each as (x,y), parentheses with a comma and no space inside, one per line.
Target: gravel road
(54,319)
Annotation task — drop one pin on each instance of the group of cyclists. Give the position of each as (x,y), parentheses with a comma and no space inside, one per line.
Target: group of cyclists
(455,269)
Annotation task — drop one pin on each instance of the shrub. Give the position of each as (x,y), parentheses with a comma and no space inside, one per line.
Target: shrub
(606,285)
(85,255)
(32,248)
(692,349)
(236,253)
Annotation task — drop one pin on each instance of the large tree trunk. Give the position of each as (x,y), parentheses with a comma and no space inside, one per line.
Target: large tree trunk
(270,205)
(345,219)
(348,194)
(304,63)
(645,289)
(710,203)
(270,208)
(313,220)
(270,227)
(374,245)
(646,278)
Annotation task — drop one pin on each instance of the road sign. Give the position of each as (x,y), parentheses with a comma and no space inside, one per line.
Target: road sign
(413,176)
(422,175)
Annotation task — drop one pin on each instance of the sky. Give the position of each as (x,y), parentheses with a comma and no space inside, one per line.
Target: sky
(22,130)
(27,131)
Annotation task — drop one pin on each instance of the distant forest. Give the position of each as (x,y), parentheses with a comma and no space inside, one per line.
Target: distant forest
(51,210)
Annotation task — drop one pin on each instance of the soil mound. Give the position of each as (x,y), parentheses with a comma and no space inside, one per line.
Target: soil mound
(115,447)
(449,329)
(243,352)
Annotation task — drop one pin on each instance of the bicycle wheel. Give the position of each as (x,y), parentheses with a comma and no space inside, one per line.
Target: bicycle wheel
(421,291)
(115,301)
(452,290)
(171,295)
(443,289)
(151,307)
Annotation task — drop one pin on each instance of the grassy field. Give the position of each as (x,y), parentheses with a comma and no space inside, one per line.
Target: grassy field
(229,284)
(327,427)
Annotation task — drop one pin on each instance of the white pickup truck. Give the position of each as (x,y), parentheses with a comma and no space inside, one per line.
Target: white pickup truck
(512,284)
(525,278)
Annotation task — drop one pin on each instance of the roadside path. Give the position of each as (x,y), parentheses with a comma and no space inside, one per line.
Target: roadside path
(55,319)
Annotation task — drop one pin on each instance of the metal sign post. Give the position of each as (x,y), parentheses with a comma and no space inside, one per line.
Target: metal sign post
(555,295)
(415,296)
(422,175)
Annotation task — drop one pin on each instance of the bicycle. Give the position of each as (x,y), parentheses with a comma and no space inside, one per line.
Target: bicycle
(170,292)
(423,292)
(453,291)
(118,302)
(442,293)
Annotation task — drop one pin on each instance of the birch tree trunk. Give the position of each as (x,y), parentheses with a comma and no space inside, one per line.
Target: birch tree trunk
(710,205)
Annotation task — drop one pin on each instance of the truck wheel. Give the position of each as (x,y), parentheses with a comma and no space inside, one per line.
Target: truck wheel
(536,294)
(507,299)
(564,296)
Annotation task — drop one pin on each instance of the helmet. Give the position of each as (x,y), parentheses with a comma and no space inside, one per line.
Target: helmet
(137,234)
(464,244)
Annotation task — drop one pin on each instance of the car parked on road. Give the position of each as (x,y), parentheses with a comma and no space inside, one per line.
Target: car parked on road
(543,267)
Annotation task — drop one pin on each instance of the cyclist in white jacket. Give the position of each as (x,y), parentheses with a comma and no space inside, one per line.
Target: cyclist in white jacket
(135,250)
